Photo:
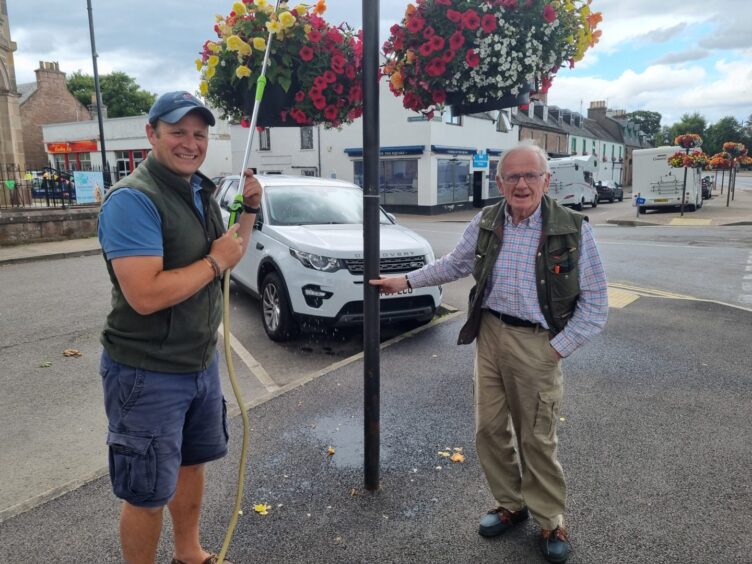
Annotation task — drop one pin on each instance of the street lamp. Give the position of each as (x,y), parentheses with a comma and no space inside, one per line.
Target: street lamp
(94,56)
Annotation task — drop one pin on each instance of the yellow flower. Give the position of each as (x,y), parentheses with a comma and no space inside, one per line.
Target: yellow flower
(239,8)
(273,26)
(213,61)
(286,19)
(307,28)
(242,71)
(210,72)
(203,87)
(199,64)
(260,3)
(245,49)
(213,47)
(234,43)
(397,81)
(259,43)
(301,9)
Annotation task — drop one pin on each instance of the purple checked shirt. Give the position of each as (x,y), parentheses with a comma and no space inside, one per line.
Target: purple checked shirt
(512,288)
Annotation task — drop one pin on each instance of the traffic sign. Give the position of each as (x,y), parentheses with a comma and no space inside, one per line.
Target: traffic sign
(640,201)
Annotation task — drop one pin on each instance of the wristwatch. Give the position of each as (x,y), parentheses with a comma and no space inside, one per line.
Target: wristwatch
(251,209)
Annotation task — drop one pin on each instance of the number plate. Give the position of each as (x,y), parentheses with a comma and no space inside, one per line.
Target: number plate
(661,200)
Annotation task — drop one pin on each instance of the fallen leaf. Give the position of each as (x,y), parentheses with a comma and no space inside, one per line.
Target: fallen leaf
(330,451)
(71,352)
(457,457)
(444,453)
(562,418)
(457,449)
(353,492)
(45,364)
(262,508)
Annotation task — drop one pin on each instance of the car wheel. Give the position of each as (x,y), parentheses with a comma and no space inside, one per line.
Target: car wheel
(611,199)
(621,198)
(594,203)
(579,206)
(641,209)
(276,312)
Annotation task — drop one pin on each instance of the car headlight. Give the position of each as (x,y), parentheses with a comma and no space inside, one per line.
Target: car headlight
(316,262)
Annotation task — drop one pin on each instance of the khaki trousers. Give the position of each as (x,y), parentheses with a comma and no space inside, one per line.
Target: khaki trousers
(518,393)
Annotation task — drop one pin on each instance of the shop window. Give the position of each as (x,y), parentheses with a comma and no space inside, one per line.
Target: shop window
(492,187)
(452,120)
(398,181)
(454,181)
(306,138)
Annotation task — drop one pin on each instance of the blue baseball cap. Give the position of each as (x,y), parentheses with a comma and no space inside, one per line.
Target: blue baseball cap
(172,106)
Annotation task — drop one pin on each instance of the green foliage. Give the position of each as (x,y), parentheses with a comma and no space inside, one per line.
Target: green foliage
(725,129)
(648,122)
(120,93)
(693,123)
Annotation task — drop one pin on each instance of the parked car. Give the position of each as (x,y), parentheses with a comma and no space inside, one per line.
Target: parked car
(609,190)
(707,187)
(305,261)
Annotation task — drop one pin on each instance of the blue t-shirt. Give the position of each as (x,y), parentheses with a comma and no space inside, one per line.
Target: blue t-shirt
(130,226)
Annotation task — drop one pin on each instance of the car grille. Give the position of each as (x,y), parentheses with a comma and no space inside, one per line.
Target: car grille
(387,265)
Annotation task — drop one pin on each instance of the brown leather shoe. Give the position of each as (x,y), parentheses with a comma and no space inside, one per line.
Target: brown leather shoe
(555,545)
(500,520)
(212,559)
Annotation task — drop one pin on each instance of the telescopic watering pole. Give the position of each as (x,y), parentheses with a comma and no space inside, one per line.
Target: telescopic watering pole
(235,210)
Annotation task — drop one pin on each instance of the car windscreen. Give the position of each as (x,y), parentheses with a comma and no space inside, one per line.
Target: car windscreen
(315,205)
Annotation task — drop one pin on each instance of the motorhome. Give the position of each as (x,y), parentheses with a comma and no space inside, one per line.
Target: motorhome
(572,181)
(655,184)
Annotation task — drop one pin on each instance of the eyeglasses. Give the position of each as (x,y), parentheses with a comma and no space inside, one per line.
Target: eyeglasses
(531,178)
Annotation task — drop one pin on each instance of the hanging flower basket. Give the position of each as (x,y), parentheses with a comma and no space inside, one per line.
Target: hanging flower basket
(314,73)
(695,159)
(720,161)
(735,150)
(482,55)
(688,140)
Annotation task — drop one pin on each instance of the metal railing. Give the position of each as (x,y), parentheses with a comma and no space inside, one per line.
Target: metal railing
(43,187)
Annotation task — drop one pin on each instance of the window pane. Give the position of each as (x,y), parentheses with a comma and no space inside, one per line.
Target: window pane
(400,182)
(306,137)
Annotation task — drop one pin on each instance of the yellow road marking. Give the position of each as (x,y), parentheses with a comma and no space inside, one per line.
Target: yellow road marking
(620,298)
(689,221)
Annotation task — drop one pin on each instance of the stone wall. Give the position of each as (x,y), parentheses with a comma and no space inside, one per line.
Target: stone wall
(18,227)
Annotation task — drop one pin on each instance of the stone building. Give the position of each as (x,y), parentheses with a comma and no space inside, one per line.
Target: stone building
(46,101)
(11,130)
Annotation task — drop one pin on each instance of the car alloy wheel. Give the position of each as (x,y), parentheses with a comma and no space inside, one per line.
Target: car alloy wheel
(278,320)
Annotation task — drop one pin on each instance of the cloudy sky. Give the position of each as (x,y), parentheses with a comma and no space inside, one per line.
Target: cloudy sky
(669,57)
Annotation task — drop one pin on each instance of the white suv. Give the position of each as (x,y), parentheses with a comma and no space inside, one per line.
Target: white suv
(305,260)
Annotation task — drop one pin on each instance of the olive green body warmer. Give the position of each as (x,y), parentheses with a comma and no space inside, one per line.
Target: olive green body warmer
(181,338)
(556,266)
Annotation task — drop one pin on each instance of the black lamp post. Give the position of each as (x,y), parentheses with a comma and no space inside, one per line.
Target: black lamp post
(371,254)
(94,55)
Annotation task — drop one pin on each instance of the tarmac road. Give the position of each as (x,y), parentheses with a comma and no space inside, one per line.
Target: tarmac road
(654,444)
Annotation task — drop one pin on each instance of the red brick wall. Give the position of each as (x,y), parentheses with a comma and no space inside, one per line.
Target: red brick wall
(50,103)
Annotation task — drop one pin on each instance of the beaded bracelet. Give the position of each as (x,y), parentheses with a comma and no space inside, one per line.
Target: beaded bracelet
(214,264)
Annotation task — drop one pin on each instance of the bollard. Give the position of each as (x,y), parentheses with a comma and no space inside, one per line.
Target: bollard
(637,206)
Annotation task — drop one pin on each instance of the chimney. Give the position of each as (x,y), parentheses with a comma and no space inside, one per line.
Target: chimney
(597,110)
(93,108)
(49,75)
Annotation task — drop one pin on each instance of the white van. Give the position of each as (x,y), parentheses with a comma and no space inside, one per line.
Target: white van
(572,181)
(659,185)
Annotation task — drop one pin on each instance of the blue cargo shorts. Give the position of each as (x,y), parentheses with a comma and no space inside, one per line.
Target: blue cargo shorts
(158,422)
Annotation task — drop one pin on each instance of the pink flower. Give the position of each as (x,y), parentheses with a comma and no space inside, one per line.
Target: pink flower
(415,24)
(319,102)
(330,112)
(428,32)
(448,56)
(299,96)
(488,23)
(456,40)
(306,53)
(320,83)
(426,49)
(437,42)
(330,77)
(314,36)
(471,58)
(438,96)
(549,14)
(470,19)
(454,16)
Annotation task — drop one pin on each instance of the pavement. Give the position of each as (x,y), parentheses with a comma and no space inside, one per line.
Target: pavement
(714,212)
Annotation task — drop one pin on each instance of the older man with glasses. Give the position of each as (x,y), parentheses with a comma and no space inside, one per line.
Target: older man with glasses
(540,294)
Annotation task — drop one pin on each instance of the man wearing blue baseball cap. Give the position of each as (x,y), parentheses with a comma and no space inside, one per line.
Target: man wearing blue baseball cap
(166,248)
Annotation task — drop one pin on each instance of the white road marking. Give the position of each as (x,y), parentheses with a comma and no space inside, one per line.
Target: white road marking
(253,365)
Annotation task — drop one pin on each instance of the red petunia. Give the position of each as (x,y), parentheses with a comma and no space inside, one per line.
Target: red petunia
(314,36)
(320,83)
(448,56)
(319,102)
(456,40)
(437,42)
(488,23)
(299,96)
(471,58)
(415,24)
(438,96)
(471,19)
(330,77)
(306,53)
(549,14)
(428,32)
(426,49)
(454,16)
(330,112)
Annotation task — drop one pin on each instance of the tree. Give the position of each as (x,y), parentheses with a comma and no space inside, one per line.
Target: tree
(725,129)
(648,122)
(120,93)
(693,123)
